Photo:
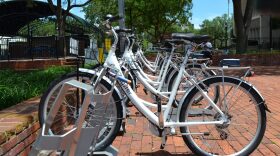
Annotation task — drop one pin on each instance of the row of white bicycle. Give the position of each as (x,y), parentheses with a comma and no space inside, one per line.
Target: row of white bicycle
(215,114)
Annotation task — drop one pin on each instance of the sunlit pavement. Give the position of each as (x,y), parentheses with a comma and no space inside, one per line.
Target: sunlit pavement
(138,140)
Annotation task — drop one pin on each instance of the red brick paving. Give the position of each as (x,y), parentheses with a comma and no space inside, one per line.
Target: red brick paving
(139,141)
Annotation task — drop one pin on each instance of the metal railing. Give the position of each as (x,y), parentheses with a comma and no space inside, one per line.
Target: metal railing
(265,43)
(17,48)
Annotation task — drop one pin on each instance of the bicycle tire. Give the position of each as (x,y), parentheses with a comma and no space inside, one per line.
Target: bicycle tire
(260,109)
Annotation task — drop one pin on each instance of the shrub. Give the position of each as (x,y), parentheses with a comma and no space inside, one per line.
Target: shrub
(17,86)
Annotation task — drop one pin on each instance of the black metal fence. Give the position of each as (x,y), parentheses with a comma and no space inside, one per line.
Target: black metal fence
(264,43)
(14,48)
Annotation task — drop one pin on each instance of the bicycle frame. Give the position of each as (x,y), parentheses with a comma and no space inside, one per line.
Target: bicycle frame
(162,75)
(112,61)
(166,63)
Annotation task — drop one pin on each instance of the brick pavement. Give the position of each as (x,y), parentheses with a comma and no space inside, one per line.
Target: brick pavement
(138,140)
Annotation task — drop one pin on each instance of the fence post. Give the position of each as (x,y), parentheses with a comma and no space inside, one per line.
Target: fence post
(55,40)
(7,46)
(56,51)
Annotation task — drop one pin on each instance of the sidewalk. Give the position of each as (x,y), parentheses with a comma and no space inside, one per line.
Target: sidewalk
(138,139)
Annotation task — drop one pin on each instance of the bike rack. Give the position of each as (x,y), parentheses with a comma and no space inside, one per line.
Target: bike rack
(80,139)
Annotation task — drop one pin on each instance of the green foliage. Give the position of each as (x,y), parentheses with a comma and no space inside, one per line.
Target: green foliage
(17,86)
(40,27)
(152,17)
(145,44)
(98,9)
(216,28)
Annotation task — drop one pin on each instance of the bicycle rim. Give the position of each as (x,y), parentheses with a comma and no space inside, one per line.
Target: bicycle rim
(239,136)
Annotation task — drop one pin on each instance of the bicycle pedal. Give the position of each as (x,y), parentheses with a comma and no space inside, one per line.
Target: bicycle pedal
(163,142)
(122,130)
(206,133)
(172,131)
(175,104)
(145,90)
(128,113)
(137,114)
(162,146)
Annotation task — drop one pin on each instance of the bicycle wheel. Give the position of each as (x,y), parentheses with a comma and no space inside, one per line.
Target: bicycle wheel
(69,111)
(244,111)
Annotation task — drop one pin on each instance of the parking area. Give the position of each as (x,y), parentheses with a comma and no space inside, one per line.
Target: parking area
(138,139)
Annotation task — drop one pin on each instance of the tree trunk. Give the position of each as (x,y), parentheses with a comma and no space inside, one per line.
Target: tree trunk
(61,21)
(242,23)
(60,29)
(156,34)
(239,25)
(242,42)
(63,24)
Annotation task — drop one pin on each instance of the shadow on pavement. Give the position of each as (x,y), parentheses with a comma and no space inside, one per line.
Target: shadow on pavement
(267,70)
(163,153)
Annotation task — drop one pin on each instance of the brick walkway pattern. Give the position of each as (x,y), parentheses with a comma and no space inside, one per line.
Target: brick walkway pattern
(138,140)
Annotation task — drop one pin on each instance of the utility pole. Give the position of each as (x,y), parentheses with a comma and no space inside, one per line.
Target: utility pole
(122,24)
(121,13)
(226,29)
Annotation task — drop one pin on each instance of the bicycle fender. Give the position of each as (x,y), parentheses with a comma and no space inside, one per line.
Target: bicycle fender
(256,91)
(174,72)
(170,70)
(261,97)
(244,83)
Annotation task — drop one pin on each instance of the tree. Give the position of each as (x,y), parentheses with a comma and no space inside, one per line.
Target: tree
(216,28)
(67,6)
(40,27)
(242,22)
(152,17)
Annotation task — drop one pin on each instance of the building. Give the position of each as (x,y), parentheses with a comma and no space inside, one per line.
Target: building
(264,29)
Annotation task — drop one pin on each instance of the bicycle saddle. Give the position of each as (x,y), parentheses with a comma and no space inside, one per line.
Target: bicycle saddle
(182,35)
(191,37)
(175,41)
(202,55)
(124,30)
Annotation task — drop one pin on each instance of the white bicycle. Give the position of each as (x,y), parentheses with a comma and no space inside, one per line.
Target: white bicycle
(239,113)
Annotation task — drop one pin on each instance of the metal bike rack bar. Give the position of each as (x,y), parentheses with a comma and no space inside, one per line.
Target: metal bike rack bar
(79,139)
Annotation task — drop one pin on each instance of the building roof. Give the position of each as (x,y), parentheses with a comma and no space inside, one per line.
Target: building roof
(17,13)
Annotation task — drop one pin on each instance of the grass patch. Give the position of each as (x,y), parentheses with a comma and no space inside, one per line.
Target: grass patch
(17,86)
